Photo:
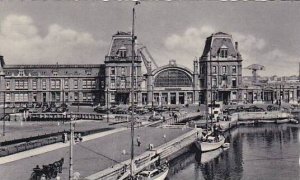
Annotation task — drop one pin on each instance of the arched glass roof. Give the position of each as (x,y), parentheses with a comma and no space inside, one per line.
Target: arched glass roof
(173,78)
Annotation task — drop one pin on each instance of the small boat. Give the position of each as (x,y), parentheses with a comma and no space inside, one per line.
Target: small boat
(210,143)
(159,173)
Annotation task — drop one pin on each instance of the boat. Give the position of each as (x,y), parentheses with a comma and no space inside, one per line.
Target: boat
(159,173)
(210,143)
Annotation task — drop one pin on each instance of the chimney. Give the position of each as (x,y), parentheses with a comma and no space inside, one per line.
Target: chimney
(1,62)
(236,46)
(299,72)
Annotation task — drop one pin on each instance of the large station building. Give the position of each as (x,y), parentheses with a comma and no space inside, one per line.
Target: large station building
(216,76)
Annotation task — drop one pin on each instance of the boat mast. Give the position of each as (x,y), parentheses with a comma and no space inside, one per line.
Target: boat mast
(71,149)
(211,89)
(132,92)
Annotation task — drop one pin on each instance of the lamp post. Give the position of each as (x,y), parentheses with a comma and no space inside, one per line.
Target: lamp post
(4,102)
(2,74)
(107,119)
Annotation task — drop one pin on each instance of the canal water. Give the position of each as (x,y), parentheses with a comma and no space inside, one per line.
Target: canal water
(257,152)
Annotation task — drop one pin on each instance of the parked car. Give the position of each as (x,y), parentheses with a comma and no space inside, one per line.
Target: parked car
(22,109)
(101,109)
(156,117)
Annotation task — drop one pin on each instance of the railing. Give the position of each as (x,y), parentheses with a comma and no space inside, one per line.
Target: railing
(61,116)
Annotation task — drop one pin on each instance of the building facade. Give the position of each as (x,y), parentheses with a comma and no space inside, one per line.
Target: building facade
(220,70)
(118,71)
(22,84)
(216,76)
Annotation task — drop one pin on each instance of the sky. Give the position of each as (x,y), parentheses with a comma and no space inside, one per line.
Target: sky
(69,31)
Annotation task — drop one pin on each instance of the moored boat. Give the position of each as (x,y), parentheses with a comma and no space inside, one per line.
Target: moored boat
(210,143)
(159,173)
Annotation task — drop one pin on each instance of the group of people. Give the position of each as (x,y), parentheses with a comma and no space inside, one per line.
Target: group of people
(48,171)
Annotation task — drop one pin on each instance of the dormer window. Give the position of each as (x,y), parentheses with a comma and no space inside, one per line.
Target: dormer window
(123,52)
(223,53)
(21,72)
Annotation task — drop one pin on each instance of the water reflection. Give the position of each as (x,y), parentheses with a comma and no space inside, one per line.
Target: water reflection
(267,151)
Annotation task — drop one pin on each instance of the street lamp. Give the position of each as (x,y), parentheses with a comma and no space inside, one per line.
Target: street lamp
(107,119)
(2,74)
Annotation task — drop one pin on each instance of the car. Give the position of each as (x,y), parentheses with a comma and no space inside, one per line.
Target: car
(62,109)
(156,117)
(22,109)
(32,110)
(101,109)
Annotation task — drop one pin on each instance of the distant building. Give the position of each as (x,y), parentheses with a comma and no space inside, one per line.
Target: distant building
(50,83)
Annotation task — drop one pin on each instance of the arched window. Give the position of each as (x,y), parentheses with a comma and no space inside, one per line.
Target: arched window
(172,78)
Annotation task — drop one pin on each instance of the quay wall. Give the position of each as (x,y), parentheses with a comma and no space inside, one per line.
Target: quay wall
(169,150)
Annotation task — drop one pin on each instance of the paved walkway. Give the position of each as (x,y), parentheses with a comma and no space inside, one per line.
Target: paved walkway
(91,156)
(52,147)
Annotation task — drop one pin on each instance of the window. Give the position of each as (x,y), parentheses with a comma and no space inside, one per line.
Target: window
(7,97)
(55,73)
(52,84)
(112,83)
(112,71)
(84,84)
(123,71)
(123,82)
(112,97)
(84,96)
(89,84)
(224,70)
(214,69)
(75,84)
(234,84)
(44,84)
(25,84)
(34,84)
(94,84)
(223,53)
(21,73)
(214,82)
(76,96)
(102,84)
(233,95)
(66,85)
(55,84)
(21,97)
(7,84)
(21,84)
(233,69)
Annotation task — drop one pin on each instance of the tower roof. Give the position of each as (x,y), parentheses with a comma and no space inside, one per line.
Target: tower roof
(217,41)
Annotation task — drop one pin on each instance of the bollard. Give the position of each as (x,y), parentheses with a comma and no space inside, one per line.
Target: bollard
(124,152)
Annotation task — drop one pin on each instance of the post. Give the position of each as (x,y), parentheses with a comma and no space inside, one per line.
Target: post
(132,95)
(107,105)
(71,149)
(4,102)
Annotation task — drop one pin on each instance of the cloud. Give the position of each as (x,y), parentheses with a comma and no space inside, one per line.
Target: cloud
(20,42)
(184,47)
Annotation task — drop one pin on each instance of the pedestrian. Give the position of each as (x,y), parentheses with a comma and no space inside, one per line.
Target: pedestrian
(138,140)
(63,138)
(165,138)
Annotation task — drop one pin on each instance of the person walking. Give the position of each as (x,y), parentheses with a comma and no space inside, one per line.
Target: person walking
(138,140)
